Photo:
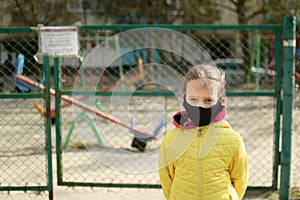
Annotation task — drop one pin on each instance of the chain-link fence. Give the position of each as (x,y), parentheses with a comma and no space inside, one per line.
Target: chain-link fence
(247,56)
(295,177)
(25,149)
(129,81)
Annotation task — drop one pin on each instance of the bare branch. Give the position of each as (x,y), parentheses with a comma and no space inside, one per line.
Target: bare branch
(260,11)
(22,12)
(50,16)
(234,2)
(224,6)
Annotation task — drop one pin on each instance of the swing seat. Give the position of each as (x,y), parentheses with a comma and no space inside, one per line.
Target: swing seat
(139,141)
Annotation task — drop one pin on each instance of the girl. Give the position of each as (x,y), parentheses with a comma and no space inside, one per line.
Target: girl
(202,157)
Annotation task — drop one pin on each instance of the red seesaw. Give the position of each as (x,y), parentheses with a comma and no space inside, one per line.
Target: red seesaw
(87,108)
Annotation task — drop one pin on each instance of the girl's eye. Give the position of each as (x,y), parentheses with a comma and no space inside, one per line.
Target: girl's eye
(208,101)
(193,99)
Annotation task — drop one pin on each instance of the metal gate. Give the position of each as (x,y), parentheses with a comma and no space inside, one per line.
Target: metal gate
(94,151)
(25,149)
(98,110)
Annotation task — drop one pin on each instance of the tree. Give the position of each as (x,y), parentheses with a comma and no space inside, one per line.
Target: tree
(276,12)
(199,12)
(245,11)
(33,12)
(159,11)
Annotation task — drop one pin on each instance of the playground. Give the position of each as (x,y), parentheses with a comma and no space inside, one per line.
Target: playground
(82,162)
(93,126)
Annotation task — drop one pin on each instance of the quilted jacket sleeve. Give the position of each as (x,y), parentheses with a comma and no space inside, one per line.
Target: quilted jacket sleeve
(239,169)
(166,171)
(166,178)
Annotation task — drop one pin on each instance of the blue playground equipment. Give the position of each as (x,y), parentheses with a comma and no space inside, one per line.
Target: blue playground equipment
(20,85)
(139,141)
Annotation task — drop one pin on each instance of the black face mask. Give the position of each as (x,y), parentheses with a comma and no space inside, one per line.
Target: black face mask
(202,116)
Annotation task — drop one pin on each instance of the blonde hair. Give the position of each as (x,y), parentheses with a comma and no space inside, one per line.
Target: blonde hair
(214,77)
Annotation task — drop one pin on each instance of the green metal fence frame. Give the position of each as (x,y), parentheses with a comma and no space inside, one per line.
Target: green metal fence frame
(46,96)
(289,44)
(47,124)
(276,94)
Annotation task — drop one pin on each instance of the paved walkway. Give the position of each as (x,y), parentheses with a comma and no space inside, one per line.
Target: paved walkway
(82,193)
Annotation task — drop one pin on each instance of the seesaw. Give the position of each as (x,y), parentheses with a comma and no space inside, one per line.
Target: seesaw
(137,133)
(20,85)
(42,112)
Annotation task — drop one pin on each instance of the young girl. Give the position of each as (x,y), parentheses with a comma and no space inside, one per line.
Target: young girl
(202,157)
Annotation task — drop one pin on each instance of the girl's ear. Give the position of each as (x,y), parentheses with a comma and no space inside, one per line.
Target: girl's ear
(223,101)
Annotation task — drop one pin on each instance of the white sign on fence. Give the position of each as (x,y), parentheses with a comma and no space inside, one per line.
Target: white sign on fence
(59,41)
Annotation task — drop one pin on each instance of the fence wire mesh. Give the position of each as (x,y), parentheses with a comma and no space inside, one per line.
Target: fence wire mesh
(24,148)
(23,155)
(247,57)
(249,66)
(295,176)
(253,120)
(134,83)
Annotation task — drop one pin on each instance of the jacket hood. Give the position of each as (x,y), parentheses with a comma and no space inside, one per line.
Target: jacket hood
(181,119)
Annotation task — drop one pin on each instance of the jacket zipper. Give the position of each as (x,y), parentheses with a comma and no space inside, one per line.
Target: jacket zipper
(200,134)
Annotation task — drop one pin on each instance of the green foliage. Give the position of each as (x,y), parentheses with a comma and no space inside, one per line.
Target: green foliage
(160,12)
(31,13)
(34,12)
(199,12)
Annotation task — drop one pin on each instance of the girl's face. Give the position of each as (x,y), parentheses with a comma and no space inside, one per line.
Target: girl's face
(198,94)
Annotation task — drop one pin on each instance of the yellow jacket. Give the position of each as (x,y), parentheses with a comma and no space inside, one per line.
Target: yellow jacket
(207,163)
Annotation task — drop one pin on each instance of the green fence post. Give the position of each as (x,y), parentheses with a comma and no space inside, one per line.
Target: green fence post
(278,90)
(57,86)
(257,60)
(289,45)
(48,125)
